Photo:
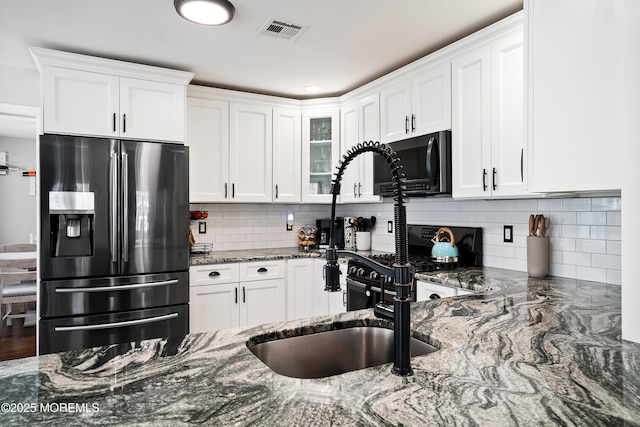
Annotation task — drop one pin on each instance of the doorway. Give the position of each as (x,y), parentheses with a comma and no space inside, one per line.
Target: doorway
(19,131)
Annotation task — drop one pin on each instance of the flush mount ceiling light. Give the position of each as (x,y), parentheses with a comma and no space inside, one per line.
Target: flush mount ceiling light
(205,12)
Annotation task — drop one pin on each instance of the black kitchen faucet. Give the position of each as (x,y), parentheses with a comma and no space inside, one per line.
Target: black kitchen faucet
(400,270)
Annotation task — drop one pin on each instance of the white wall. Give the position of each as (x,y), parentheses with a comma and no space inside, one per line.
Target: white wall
(18,209)
(19,86)
(631,174)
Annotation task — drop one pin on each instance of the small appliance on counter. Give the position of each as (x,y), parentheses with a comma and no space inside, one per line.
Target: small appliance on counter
(307,238)
(324,227)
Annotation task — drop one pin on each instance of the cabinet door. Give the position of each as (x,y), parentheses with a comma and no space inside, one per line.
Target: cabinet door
(575,68)
(395,111)
(152,110)
(300,280)
(348,138)
(263,301)
(287,146)
(208,141)
(213,307)
(507,115)
(320,153)
(80,103)
(250,152)
(471,121)
(431,100)
(369,130)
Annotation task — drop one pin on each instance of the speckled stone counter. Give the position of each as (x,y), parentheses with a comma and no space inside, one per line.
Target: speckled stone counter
(528,352)
(219,257)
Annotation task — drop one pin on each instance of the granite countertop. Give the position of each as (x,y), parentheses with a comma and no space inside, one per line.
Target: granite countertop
(528,352)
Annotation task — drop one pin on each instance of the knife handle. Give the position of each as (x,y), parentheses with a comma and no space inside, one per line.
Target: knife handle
(532,225)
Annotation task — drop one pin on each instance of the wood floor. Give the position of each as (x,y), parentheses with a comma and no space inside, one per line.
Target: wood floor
(17,341)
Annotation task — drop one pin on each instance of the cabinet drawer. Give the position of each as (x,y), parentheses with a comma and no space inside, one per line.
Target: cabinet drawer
(213,274)
(261,270)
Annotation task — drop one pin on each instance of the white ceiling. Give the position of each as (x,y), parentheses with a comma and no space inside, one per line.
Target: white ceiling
(346,43)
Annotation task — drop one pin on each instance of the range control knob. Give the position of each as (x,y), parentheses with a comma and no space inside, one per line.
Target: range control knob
(352,269)
(374,275)
(360,272)
(388,280)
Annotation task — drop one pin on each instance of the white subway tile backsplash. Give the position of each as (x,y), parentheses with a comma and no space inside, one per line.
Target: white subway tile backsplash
(591,218)
(576,205)
(611,262)
(614,247)
(591,246)
(550,205)
(592,274)
(576,231)
(577,258)
(584,232)
(614,218)
(606,204)
(606,233)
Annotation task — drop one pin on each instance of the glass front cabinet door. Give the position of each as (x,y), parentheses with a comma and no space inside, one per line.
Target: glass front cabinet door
(320,151)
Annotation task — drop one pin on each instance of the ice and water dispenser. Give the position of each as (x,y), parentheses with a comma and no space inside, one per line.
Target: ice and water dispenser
(71,214)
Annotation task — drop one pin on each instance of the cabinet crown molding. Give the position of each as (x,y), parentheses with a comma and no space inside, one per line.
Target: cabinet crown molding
(43,57)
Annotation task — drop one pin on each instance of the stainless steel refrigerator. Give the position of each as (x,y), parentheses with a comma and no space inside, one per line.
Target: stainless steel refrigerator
(114,252)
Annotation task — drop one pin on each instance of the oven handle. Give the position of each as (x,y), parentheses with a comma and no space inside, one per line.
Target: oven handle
(116,324)
(117,288)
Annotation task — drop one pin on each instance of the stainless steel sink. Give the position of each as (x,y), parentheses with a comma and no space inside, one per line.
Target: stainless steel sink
(324,354)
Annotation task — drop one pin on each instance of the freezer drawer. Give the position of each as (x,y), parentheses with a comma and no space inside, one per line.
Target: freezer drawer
(75,333)
(60,298)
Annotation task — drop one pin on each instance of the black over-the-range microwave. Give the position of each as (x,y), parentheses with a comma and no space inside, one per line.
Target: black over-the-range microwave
(426,162)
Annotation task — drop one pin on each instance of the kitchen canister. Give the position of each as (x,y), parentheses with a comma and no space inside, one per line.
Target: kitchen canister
(538,256)
(363,240)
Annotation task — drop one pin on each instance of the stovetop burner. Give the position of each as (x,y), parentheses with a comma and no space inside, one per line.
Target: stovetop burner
(419,263)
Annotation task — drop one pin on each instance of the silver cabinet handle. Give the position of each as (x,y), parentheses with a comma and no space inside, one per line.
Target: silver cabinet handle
(116,324)
(113,166)
(117,288)
(125,186)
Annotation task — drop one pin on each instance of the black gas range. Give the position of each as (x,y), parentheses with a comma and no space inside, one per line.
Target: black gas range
(365,286)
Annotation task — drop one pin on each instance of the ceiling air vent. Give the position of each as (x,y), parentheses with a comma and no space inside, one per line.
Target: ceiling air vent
(282,29)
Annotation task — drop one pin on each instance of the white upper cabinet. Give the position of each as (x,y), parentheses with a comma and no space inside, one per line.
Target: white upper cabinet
(575,70)
(287,147)
(416,105)
(250,152)
(320,149)
(488,119)
(431,99)
(78,102)
(208,141)
(83,95)
(359,122)
(152,110)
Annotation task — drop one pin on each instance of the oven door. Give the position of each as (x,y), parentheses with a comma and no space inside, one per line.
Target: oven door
(361,295)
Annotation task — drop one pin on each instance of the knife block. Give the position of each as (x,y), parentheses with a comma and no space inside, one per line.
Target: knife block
(538,256)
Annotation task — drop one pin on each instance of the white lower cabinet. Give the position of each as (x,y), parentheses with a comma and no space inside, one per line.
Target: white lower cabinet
(300,286)
(328,302)
(231,295)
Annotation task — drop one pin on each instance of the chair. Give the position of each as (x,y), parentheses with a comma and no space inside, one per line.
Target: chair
(19,284)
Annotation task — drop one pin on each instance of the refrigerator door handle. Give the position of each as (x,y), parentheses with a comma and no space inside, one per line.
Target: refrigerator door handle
(116,288)
(116,324)
(113,220)
(125,207)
